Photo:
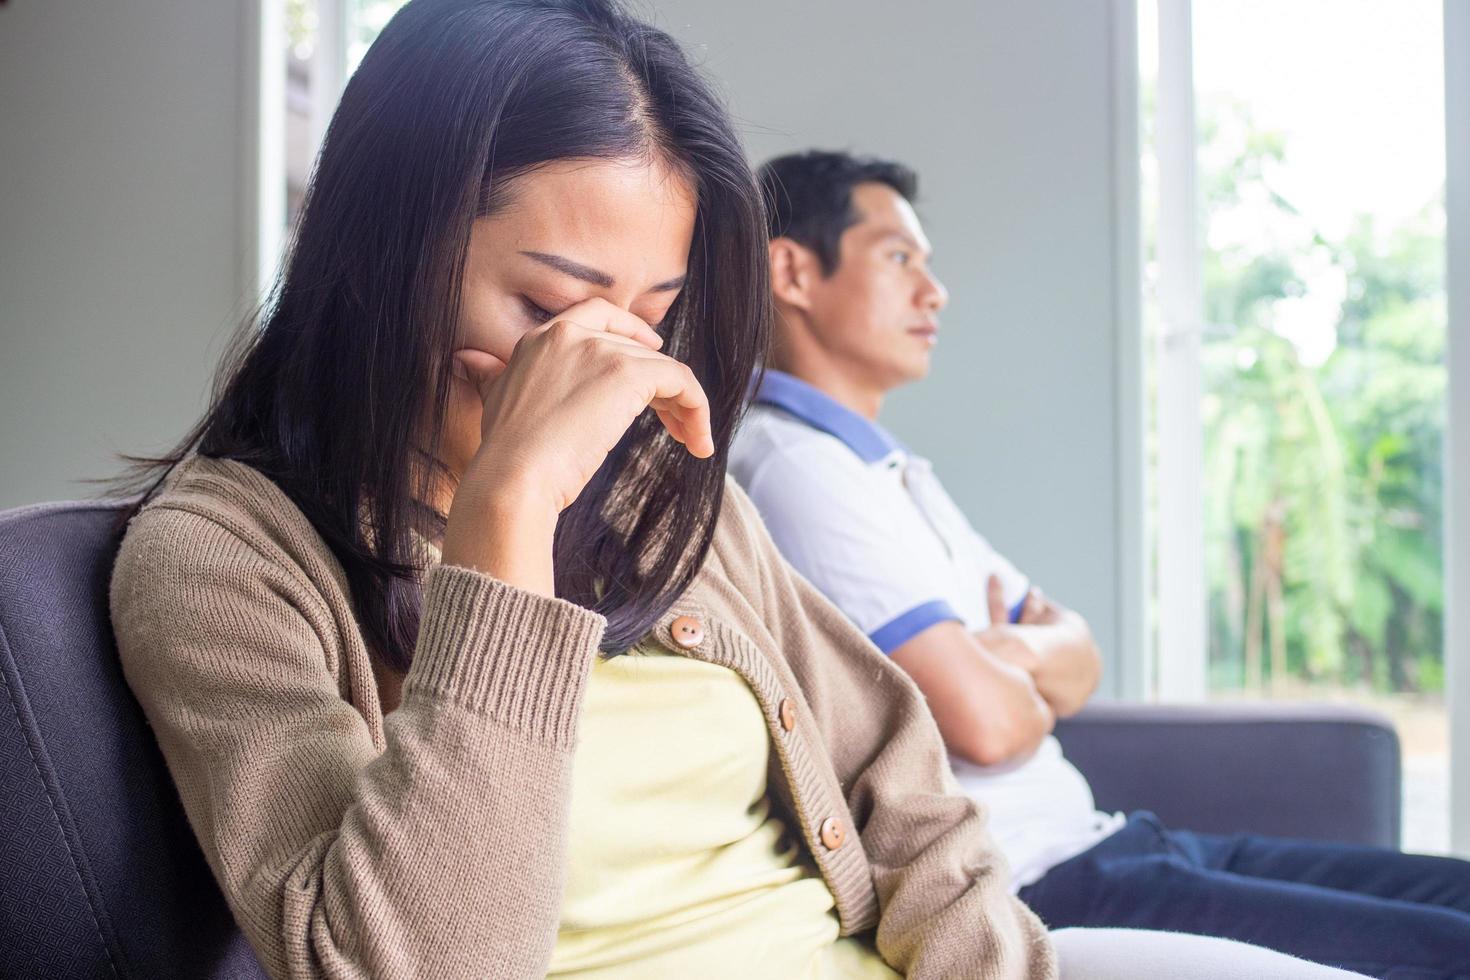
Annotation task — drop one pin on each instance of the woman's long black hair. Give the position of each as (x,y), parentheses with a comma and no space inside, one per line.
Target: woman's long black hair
(339,393)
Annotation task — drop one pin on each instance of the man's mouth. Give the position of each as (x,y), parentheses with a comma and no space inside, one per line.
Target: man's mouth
(927,332)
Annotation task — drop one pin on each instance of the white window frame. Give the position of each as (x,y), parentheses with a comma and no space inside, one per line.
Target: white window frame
(329,76)
(1457,435)
(262,195)
(1131,666)
(1183,649)
(261,217)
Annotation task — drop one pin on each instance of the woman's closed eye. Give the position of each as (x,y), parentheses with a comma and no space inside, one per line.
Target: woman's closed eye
(540,315)
(536,313)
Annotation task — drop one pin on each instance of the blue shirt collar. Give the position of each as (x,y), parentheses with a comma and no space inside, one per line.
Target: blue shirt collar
(821,411)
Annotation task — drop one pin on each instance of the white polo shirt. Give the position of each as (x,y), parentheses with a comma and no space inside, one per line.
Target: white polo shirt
(868,523)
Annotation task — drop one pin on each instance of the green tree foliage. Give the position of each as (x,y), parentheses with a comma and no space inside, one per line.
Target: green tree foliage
(1324,418)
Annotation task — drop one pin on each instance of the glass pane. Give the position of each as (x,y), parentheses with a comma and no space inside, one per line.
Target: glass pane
(1321,178)
(302,23)
(365,18)
(314,80)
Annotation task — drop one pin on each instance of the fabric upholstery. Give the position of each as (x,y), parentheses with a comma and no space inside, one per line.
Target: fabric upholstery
(102,875)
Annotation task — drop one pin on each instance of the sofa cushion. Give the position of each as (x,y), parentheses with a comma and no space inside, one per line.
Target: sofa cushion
(102,873)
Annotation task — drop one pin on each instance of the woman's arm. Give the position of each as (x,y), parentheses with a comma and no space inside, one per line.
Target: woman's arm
(943,888)
(431,848)
(434,846)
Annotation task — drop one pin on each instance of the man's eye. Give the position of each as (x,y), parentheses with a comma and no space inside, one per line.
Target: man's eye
(902,258)
(537,313)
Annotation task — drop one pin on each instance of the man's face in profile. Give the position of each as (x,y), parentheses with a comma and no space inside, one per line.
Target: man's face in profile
(879,310)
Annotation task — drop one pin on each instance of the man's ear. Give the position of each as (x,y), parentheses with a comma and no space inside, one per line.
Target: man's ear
(794,270)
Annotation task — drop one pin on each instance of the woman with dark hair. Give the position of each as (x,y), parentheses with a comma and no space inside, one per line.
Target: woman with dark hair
(464,656)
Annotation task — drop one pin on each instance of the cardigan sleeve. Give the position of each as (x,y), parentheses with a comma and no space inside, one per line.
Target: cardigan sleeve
(945,906)
(440,855)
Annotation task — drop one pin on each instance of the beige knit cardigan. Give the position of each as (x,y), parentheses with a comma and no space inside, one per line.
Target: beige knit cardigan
(431,841)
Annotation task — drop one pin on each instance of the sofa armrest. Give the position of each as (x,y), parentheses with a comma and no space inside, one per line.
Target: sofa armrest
(1309,771)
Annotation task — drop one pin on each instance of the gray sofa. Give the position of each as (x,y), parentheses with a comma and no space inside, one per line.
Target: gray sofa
(1311,771)
(100,874)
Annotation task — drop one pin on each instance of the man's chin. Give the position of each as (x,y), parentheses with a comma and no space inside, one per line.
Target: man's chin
(910,369)
(920,364)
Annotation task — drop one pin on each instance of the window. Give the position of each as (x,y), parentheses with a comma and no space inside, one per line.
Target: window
(325,41)
(1293,188)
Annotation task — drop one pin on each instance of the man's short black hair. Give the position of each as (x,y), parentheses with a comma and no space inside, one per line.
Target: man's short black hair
(809,196)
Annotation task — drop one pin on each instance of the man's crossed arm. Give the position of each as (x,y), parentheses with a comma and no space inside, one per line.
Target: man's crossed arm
(997,693)
(1050,642)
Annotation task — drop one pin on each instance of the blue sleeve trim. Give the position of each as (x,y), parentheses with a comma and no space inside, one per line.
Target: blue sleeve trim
(1020,605)
(904,627)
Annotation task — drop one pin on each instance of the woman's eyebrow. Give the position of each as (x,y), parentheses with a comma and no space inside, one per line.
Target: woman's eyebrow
(588,274)
(575,269)
(675,283)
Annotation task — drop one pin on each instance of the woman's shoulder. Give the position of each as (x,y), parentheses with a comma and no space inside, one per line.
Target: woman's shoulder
(224,491)
(215,521)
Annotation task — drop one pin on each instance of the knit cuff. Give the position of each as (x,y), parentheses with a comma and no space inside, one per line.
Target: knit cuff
(520,657)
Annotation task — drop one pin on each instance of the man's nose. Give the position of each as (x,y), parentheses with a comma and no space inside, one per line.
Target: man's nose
(933,296)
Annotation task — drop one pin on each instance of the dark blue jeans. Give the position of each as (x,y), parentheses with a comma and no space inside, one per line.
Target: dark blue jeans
(1374,911)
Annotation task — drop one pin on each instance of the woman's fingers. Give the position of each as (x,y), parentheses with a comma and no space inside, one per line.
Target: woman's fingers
(679,397)
(671,422)
(478,367)
(599,314)
(556,405)
(669,386)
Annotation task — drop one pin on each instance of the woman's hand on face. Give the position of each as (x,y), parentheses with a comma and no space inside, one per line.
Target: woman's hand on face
(551,414)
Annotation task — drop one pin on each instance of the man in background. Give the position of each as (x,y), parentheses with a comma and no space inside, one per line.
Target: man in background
(869,524)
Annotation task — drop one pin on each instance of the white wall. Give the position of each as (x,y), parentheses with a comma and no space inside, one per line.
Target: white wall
(1005,109)
(119,229)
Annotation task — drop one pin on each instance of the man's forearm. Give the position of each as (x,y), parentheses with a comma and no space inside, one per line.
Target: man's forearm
(988,709)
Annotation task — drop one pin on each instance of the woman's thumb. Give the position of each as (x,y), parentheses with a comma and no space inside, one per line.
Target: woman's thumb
(476,366)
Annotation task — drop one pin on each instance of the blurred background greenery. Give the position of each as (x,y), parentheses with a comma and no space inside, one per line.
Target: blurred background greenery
(1324,503)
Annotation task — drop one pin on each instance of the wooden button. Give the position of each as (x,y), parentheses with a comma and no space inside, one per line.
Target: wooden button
(787,712)
(688,631)
(833,833)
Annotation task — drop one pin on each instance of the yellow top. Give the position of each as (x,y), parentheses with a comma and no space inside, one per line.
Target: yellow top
(676,867)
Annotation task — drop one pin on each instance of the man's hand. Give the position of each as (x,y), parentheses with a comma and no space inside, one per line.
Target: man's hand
(1036,608)
(1050,642)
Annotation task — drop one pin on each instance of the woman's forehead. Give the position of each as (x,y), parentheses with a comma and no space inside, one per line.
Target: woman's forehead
(632,220)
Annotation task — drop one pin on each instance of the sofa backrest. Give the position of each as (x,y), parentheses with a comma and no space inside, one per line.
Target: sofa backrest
(100,874)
